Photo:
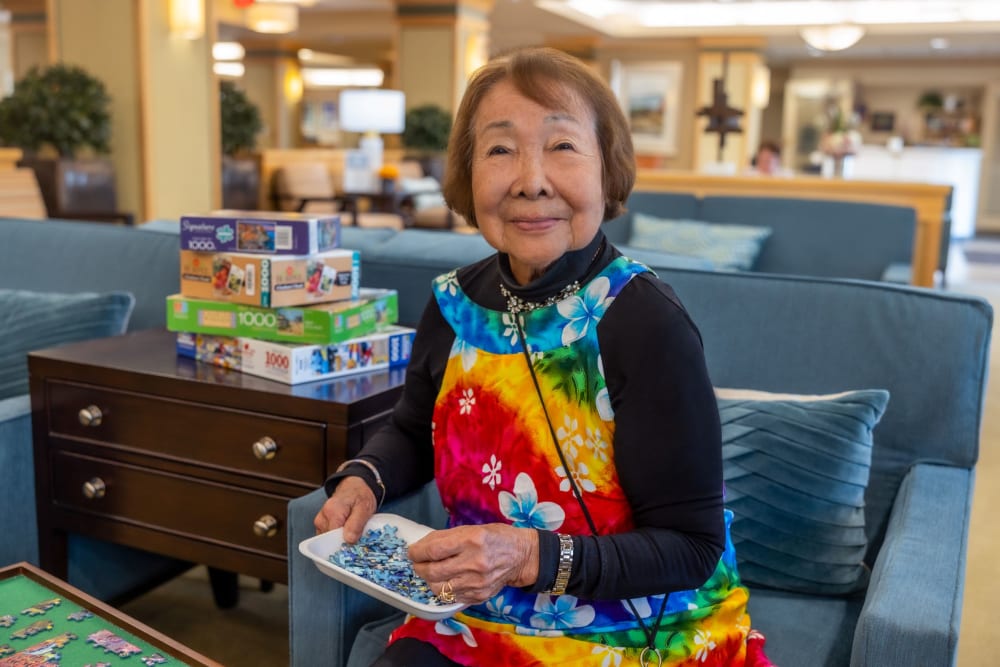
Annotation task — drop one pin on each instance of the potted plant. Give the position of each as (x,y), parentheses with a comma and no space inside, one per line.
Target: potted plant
(425,134)
(59,116)
(240,123)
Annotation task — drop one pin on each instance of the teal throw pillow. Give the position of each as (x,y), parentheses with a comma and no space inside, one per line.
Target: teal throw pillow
(796,469)
(37,320)
(732,247)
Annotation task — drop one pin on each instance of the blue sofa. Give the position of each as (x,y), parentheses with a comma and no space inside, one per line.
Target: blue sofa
(71,257)
(782,334)
(831,239)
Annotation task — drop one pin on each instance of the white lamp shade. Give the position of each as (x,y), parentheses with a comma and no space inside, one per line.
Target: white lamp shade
(832,37)
(272,18)
(373,110)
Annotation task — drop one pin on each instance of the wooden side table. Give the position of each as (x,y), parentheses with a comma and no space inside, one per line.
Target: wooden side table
(137,446)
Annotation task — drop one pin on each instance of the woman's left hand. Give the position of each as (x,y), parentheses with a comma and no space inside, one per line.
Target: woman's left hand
(477,560)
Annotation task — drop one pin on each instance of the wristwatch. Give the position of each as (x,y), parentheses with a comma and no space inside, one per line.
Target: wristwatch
(565,565)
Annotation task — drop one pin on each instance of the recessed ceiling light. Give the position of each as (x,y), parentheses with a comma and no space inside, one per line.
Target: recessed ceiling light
(939,43)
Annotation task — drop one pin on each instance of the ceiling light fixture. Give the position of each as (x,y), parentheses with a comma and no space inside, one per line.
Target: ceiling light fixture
(331,77)
(832,37)
(228,51)
(187,19)
(274,19)
(228,69)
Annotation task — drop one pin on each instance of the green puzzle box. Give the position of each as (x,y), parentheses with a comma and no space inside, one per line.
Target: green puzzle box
(326,323)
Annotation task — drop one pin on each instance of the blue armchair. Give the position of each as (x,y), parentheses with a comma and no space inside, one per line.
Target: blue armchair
(806,336)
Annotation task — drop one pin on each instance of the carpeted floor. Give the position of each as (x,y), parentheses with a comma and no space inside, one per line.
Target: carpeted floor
(252,634)
(255,633)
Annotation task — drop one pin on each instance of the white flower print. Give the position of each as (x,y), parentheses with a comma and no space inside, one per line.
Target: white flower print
(612,655)
(568,436)
(579,473)
(563,614)
(603,399)
(510,328)
(449,284)
(596,443)
(492,472)
(702,639)
(498,609)
(451,627)
(581,311)
(467,352)
(523,509)
(465,403)
(641,606)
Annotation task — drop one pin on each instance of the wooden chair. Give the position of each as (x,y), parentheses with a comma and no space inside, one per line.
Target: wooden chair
(309,187)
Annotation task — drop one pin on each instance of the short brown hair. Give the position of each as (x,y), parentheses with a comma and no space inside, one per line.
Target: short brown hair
(542,75)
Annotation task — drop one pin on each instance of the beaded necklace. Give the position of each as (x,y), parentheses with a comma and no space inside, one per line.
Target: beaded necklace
(516,304)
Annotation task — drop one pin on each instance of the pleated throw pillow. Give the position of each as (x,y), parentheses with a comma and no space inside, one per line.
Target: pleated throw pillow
(37,320)
(796,469)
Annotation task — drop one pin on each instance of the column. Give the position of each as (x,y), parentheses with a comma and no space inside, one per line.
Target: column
(743,68)
(440,44)
(164,100)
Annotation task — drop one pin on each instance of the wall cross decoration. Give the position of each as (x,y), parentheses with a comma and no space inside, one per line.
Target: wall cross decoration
(722,118)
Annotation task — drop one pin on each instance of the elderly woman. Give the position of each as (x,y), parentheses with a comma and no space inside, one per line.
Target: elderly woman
(558,396)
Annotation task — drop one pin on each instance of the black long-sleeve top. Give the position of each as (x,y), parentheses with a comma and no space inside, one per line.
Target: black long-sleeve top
(667,440)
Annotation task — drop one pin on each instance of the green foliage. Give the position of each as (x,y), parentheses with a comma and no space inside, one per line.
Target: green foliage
(240,120)
(931,99)
(427,128)
(62,106)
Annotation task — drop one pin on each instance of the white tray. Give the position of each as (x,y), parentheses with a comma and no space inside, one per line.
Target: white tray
(320,548)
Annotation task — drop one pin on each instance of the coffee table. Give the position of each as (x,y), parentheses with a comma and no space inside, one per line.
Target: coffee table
(138,446)
(44,620)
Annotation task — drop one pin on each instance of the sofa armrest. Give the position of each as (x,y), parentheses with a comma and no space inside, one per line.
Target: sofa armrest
(325,615)
(17,483)
(913,606)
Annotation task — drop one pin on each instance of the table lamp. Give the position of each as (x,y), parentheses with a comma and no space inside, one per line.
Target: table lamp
(372,111)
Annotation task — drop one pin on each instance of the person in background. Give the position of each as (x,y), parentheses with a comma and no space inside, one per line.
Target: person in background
(767,161)
(558,395)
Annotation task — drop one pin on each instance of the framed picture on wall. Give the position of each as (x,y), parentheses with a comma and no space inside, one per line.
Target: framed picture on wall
(883,121)
(649,93)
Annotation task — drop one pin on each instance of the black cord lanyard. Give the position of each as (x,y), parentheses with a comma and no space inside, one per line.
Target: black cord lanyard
(650,633)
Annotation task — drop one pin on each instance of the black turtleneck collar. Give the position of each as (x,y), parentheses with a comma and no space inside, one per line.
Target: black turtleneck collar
(573,265)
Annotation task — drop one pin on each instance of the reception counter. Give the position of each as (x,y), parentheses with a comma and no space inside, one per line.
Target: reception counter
(946,165)
(930,201)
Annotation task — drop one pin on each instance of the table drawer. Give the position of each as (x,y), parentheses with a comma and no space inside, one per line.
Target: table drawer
(233,439)
(218,513)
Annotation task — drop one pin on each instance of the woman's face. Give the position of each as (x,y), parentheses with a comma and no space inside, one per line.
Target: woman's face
(536,178)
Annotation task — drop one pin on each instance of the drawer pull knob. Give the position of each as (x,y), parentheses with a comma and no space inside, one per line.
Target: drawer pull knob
(266,526)
(90,416)
(265,449)
(94,488)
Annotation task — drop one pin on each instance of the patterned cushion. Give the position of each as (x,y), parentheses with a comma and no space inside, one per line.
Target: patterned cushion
(37,320)
(796,469)
(733,247)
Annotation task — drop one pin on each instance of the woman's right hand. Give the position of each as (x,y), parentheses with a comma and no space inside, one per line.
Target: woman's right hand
(350,507)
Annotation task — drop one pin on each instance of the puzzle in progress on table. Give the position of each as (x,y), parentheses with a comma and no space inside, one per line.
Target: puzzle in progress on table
(39,628)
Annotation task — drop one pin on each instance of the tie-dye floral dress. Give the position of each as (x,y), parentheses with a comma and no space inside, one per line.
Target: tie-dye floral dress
(495,462)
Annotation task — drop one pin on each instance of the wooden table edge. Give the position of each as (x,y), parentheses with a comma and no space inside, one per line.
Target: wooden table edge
(108,612)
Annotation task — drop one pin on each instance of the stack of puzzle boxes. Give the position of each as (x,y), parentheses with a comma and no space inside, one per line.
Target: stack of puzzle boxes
(274,295)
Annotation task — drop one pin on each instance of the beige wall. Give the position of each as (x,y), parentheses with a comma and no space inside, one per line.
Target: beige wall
(164,109)
(180,108)
(426,57)
(80,27)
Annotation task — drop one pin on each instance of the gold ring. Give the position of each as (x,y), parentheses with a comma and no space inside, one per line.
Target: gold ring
(447,594)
